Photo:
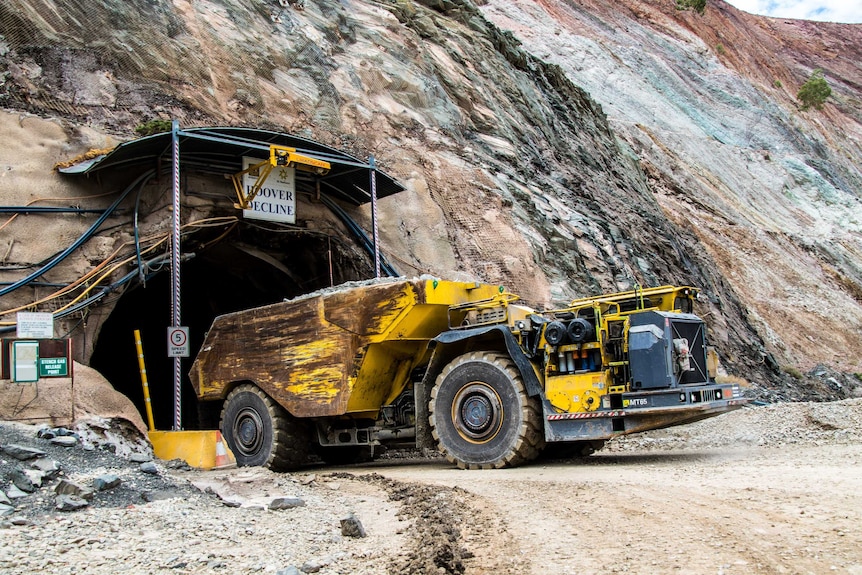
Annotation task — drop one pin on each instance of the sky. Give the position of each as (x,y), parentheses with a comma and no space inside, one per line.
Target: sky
(847,11)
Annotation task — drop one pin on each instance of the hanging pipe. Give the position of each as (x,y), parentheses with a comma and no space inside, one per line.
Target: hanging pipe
(359,233)
(104,291)
(47,210)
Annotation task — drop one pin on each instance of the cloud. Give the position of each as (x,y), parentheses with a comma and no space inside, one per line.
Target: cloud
(823,10)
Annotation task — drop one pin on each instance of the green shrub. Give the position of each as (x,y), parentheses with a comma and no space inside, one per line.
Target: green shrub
(814,92)
(777,84)
(720,49)
(792,372)
(153,127)
(698,6)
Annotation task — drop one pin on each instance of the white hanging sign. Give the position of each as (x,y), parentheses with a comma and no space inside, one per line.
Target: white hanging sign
(32,325)
(276,200)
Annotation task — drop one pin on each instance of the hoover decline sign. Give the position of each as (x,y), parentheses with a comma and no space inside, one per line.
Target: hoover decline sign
(276,201)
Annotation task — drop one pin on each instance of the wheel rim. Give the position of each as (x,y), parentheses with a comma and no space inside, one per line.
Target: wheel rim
(248,431)
(477,412)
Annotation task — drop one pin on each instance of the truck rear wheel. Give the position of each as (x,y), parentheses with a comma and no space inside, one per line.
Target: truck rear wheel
(481,415)
(260,432)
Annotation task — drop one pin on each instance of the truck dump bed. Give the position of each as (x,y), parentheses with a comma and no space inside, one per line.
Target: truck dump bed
(333,352)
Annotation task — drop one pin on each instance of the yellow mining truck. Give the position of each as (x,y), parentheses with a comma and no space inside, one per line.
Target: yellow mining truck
(461,367)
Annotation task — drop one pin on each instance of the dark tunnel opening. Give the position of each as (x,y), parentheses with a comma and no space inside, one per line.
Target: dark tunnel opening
(250,268)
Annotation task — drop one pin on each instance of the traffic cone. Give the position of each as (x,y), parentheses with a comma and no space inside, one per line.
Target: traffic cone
(224,458)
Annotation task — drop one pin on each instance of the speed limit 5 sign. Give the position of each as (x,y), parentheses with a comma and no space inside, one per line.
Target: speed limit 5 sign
(178,341)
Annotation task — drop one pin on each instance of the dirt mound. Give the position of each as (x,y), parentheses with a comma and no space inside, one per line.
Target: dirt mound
(65,401)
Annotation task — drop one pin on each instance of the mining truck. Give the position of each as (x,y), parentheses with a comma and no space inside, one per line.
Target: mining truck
(342,373)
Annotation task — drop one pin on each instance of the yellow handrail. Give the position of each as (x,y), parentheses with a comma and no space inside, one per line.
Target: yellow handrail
(143,369)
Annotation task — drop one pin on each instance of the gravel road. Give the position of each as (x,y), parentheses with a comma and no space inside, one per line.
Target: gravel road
(769,489)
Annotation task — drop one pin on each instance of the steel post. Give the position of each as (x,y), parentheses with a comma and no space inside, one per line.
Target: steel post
(375,239)
(175,270)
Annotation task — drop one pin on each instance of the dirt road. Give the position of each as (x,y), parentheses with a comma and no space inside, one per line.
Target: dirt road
(786,510)
(769,490)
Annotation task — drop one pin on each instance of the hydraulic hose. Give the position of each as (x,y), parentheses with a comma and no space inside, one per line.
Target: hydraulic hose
(80,241)
(359,233)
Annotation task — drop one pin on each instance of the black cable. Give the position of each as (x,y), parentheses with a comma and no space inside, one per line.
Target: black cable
(80,241)
(359,233)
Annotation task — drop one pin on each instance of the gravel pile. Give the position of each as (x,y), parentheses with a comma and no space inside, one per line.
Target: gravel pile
(772,425)
(140,515)
(98,463)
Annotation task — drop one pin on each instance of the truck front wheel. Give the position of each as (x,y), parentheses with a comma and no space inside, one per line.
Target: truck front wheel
(481,415)
(260,432)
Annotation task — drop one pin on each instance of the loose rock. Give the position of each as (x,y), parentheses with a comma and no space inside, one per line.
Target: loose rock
(286,503)
(149,467)
(52,432)
(27,480)
(70,503)
(22,453)
(352,527)
(65,487)
(50,469)
(315,565)
(14,493)
(65,441)
(106,482)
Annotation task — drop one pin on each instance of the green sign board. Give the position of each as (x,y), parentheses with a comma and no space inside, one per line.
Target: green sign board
(53,367)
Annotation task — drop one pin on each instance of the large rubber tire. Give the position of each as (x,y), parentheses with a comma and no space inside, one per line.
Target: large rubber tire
(481,415)
(260,432)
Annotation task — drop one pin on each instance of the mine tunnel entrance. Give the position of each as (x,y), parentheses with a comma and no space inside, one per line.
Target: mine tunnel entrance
(232,259)
(248,269)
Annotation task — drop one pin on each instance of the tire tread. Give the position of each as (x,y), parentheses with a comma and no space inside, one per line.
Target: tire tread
(530,440)
(290,440)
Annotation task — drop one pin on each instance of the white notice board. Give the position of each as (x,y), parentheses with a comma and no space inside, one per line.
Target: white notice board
(35,325)
(276,200)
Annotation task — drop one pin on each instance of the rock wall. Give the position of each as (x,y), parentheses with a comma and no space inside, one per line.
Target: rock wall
(770,191)
(559,148)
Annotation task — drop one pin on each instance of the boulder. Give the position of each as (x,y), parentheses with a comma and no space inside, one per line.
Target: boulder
(21,452)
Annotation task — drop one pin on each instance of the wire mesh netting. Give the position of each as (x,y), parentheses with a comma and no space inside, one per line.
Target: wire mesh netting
(121,62)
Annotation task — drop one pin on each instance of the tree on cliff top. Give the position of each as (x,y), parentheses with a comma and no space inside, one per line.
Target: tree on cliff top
(699,6)
(815,91)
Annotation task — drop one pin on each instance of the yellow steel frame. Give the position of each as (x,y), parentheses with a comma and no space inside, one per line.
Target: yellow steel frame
(278,156)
